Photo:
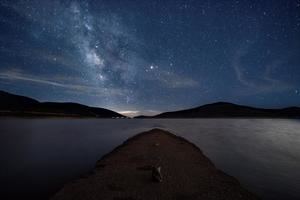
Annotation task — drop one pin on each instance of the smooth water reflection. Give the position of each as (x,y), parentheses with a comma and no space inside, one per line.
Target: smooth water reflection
(39,155)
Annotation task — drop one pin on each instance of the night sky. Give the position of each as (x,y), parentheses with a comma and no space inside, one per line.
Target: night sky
(144,57)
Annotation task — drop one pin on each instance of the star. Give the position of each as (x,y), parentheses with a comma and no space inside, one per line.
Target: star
(158,51)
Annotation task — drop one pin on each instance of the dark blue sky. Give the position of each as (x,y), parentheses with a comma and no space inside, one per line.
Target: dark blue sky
(138,56)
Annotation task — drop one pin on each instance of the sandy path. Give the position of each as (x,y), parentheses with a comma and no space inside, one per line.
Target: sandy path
(125,173)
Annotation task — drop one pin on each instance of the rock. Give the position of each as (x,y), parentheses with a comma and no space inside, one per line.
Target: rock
(156,174)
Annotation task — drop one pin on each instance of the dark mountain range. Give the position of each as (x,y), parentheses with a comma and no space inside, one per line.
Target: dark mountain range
(223,109)
(15,105)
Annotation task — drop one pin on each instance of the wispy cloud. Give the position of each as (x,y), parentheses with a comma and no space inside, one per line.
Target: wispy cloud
(170,79)
(133,113)
(93,45)
(102,41)
(59,81)
(129,113)
(264,83)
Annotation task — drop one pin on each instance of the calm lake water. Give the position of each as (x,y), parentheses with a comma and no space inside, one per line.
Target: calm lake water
(39,155)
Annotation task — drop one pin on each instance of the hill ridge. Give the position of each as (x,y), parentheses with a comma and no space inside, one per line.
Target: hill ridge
(18,105)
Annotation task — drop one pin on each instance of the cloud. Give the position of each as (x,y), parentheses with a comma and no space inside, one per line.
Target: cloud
(101,39)
(264,83)
(133,113)
(97,46)
(129,113)
(59,81)
(172,80)
(169,79)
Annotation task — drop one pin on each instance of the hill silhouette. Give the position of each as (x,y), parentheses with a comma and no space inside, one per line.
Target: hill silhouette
(16,105)
(224,109)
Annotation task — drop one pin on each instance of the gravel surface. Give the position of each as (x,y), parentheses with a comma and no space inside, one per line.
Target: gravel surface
(127,173)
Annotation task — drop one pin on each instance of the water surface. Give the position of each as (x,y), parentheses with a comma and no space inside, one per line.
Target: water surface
(39,155)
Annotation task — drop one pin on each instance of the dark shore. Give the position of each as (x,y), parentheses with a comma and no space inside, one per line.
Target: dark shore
(126,173)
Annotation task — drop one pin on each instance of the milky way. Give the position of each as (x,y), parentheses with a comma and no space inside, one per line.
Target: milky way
(141,57)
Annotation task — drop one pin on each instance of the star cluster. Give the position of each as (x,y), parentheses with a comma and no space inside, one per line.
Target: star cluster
(144,57)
